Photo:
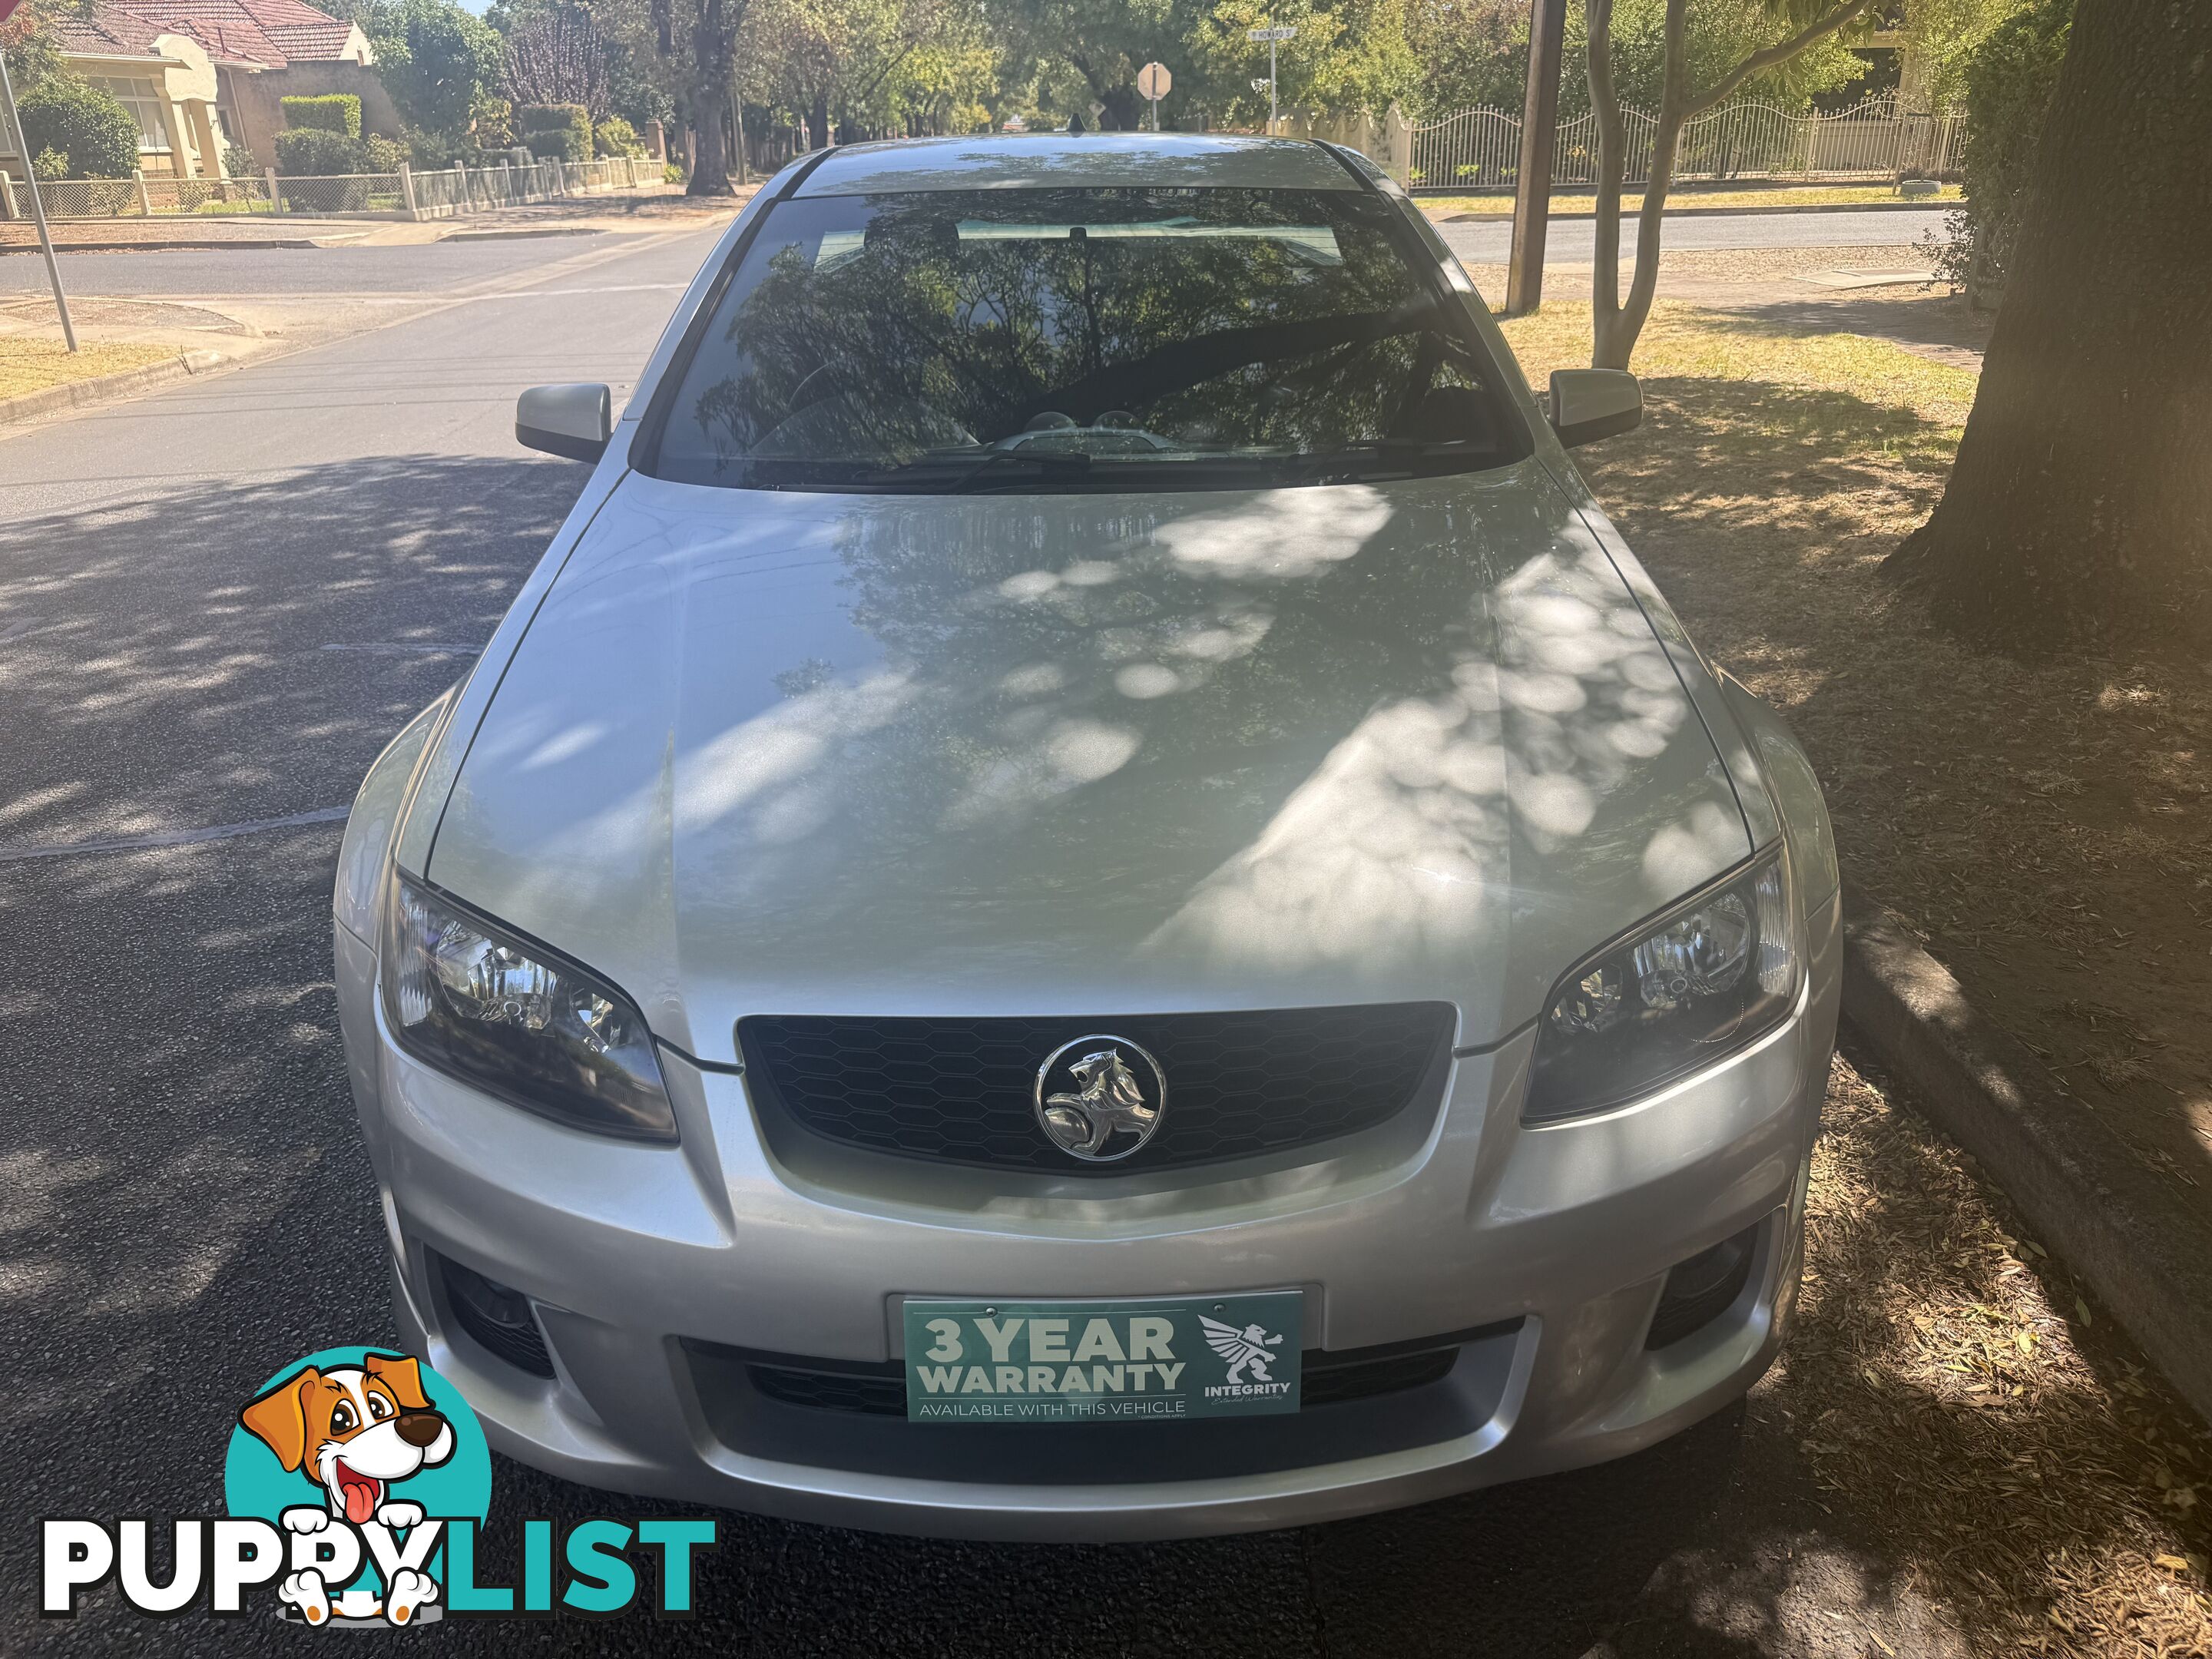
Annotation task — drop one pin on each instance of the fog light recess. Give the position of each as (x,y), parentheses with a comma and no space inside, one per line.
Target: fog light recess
(498,1319)
(1703,1288)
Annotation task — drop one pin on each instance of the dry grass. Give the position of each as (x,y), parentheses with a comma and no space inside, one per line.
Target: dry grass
(1948,1379)
(33,365)
(2042,823)
(1809,196)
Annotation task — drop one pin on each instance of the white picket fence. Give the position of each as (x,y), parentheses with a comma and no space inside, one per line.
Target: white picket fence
(405,194)
(1480,148)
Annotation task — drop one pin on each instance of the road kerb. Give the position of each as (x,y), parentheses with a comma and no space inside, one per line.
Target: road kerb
(2117,1222)
(101,387)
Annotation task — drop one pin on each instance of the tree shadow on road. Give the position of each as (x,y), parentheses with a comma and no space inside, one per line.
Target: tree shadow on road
(167,659)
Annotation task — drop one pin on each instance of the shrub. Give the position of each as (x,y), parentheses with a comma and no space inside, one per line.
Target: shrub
(330,112)
(92,134)
(2010,79)
(310,152)
(539,122)
(381,154)
(240,162)
(49,165)
(670,173)
(616,136)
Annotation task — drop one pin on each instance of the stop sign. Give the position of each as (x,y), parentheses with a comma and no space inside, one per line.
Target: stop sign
(1153,81)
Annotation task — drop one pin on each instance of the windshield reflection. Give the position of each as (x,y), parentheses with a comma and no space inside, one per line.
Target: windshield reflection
(945,340)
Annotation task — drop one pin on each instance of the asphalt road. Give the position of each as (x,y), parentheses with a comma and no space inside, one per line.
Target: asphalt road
(1570,241)
(438,267)
(187,584)
(416,268)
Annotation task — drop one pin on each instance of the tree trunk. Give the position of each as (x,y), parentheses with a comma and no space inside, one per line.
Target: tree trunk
(1615,325)
(710,163)
(817,121)
(2079,515)
(1121,109)
(713,51)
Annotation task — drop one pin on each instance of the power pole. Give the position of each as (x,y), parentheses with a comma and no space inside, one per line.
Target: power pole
(1532,191)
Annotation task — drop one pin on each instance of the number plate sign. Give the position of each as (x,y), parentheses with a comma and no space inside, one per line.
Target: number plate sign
(1146,1360)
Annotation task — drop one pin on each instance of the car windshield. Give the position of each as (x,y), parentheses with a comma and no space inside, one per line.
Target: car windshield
(1083,339)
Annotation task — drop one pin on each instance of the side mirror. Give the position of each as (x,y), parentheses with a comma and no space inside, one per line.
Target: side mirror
(573,421)
(1590,404)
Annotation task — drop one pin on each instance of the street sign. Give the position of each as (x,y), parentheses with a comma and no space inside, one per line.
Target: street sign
(1273,37)
(1153,81)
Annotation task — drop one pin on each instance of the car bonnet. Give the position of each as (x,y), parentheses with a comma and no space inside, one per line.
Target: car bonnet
(1023,753)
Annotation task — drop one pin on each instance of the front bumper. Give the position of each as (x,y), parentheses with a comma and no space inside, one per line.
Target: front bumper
(1542,1252)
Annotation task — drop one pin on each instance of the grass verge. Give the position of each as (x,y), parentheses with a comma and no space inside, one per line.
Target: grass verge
(29,365)
(2043,822)
(1811,196)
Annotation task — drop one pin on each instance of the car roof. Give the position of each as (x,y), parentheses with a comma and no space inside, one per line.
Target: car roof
(1078,161)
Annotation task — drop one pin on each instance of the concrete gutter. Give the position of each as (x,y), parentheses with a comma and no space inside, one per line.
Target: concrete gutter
(2119,1225)
(187,243)
(76,394)
(1675,212)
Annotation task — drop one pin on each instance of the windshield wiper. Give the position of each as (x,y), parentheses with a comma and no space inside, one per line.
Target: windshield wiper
(1062,461)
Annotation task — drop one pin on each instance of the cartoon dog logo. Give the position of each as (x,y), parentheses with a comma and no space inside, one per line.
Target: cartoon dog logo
(356,1431)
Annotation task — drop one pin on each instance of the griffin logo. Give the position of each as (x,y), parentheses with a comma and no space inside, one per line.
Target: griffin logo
(1246,1350)
(1107,1112)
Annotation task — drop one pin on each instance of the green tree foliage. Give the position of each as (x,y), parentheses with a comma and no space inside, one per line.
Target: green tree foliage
(1943,36)
(95,136)
(1081,53)
(1476,51)
(331,112)
(33,54)
(2009,80)
(1350,54)
(616,136)
(441,64)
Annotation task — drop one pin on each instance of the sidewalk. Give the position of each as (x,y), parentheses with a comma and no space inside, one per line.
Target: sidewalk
(655,207)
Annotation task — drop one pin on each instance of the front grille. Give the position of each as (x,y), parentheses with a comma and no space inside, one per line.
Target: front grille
(962,1090)
(499,1319)
(880,1395)
(1363,1402)
(1325,1379)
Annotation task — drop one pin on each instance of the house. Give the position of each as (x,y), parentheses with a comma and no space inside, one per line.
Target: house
(200,75)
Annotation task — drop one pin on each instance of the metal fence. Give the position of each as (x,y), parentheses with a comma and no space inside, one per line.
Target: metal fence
(1480,148)
(405,194)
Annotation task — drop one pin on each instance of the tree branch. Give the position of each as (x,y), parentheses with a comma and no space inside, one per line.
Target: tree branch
(1781,52)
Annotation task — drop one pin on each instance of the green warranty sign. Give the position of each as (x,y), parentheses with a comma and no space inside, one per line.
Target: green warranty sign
(1102,1362)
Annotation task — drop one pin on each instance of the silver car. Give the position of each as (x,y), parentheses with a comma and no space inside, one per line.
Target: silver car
(1088,897)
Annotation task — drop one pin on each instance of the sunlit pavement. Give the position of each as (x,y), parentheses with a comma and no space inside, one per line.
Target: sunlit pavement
(214,606)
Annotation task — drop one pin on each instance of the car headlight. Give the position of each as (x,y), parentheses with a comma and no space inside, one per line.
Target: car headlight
(467,996)
(1711,974)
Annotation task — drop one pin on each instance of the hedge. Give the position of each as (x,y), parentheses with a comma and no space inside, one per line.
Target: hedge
(616,136)
(329,111)
(72,118)
(551,129)
(2010,79)
(311,153)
